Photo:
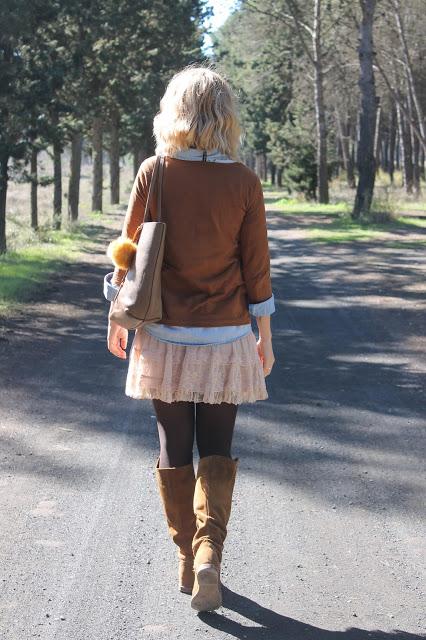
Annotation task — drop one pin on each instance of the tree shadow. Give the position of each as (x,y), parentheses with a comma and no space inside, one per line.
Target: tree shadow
(345,395)
(274,626)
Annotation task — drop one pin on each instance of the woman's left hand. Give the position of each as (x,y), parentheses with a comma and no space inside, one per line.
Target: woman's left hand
(266,354)
(117,340)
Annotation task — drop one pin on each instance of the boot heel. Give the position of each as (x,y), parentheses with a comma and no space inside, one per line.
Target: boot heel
(207,594)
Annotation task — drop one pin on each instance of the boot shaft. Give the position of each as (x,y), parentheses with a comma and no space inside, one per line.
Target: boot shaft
(214,486)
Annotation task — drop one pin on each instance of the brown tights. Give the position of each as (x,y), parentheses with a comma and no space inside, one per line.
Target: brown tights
(213,425)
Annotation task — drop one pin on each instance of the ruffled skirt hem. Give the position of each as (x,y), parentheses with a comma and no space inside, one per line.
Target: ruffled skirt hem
(195,396)
(230,372)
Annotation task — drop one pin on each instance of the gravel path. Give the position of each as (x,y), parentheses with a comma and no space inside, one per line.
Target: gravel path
(326,539)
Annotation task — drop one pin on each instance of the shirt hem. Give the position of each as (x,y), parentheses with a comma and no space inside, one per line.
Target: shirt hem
(197,344)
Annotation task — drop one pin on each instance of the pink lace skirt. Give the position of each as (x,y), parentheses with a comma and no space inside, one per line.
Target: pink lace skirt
(230,372)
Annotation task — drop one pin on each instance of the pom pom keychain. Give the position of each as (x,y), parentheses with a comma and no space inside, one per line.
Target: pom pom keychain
(122,252)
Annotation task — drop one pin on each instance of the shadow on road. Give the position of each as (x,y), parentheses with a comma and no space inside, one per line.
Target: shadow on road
(345,404)
(274,626)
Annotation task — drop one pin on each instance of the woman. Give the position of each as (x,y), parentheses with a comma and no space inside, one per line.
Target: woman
(202,361)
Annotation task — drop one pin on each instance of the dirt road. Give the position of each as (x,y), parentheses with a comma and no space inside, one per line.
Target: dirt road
(326,538)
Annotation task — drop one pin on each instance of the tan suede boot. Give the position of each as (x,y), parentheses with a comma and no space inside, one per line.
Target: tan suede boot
(212,506)
(176,486)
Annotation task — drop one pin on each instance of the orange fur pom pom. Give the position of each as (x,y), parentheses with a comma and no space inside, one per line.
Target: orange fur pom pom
(122,252)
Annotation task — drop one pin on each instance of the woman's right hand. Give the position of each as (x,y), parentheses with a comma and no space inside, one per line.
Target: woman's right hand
(117,340)
(266,354)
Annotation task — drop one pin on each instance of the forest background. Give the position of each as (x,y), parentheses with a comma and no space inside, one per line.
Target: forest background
(332,98)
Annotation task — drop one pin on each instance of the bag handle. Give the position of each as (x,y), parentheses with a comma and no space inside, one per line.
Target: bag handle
(158,171)
(160,188)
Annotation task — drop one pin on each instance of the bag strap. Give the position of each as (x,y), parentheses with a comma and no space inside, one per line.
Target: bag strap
(160,188)
(157,171)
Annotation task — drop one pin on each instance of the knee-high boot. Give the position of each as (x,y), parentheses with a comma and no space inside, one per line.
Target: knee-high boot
(212,506)
(176,486)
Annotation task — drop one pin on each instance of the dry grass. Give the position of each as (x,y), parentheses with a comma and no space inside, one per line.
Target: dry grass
(33,256)
(18,214)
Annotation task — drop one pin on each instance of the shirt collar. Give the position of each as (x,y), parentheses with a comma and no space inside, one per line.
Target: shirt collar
(197,154)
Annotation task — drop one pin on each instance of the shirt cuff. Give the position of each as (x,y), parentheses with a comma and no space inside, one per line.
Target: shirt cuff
(110,290)
(265,308)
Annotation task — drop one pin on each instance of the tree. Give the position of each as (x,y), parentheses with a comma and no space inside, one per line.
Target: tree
(16,128)
(307,22)
(366,161)
(261,71)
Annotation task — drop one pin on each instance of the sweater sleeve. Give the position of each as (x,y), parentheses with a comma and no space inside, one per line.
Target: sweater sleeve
(135,208)
(265,308)
(255,256)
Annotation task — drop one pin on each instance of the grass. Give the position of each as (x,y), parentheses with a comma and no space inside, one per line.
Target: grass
(33,257)
(411,205)
(294,207)
(344,229)
(24,269)
(267,186)
(415,222)
(337,225)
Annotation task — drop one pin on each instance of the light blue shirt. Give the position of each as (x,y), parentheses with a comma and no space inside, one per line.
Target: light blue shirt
(198,335)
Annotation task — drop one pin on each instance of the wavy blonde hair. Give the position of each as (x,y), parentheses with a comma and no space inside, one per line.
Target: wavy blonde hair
(198,109)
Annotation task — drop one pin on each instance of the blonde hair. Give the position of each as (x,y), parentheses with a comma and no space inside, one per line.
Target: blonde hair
(198,109)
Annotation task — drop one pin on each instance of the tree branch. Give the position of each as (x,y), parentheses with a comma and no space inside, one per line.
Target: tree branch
(287,19)
(400,103)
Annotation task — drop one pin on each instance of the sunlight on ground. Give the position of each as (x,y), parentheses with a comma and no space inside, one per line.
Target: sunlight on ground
(332,223)
(22,271)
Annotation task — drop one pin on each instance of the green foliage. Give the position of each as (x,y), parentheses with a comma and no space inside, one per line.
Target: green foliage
(291,206)
(292,149)
(332,223)
(63,63)
(263,71)
(23,270)
(259,69)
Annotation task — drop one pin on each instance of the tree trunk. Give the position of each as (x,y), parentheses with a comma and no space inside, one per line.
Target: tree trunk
(280,177)
(273,170)
(377,135)
(97,178)
(57,185)
(143,154)
(416,164)
(4,159)
(397,151)
(409,69)
(140,153)
(135,154)
(384,152)
(251,160)
(405,145)
(351,168)
(75,174)
(259,163)
(114,157)
(322,170)
(366,161)
(343,141)
(351,157)
(34,188)
(392,139)
(344,133)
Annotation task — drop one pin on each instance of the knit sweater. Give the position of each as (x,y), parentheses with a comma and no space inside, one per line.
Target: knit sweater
(195,334)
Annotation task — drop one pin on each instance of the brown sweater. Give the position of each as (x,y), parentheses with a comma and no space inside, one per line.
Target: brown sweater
(216,258)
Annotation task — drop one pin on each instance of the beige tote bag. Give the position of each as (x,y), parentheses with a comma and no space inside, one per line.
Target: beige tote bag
(138,300)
